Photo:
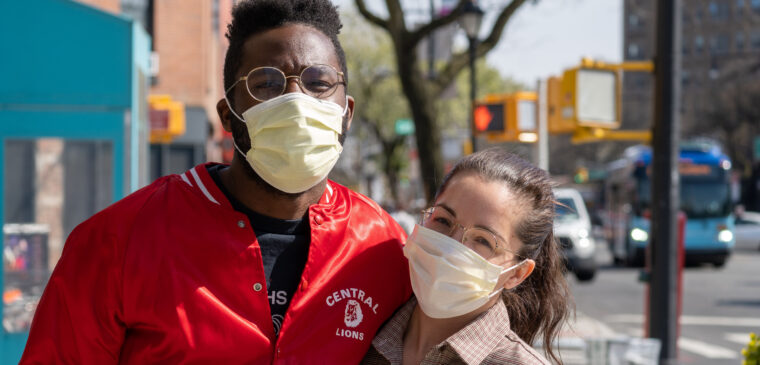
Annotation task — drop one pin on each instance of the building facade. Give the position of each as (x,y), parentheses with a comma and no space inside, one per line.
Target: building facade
(720,46)
(187,61)
(720,79)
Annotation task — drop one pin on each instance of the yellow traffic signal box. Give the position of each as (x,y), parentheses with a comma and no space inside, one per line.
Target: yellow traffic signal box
(587,102)
(167,118)
(590,96)
(506,117)
(554,96)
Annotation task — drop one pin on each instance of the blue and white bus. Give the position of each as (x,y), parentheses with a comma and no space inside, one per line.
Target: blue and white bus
(705,199)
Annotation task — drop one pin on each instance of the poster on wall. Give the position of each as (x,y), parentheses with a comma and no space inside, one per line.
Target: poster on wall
(25,266)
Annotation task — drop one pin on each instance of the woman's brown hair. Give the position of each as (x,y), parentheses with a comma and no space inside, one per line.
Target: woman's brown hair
(542,303)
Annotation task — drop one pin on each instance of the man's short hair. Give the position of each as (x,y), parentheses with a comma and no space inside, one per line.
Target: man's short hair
(254,16)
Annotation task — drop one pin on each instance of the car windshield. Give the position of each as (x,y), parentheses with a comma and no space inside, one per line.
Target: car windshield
(566,209)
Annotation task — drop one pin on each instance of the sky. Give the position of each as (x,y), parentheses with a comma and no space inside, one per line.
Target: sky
(543,39)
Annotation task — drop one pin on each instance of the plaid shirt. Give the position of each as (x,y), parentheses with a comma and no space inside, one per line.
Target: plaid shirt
(487,340)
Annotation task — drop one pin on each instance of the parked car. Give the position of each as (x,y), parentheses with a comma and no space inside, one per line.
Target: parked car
(572,228)
(747,231)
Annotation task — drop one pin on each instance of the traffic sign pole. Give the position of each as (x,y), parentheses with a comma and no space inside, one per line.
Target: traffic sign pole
(543,121)
(663,323)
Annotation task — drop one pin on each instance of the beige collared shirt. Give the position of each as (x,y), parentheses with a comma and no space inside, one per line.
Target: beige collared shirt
(487,340)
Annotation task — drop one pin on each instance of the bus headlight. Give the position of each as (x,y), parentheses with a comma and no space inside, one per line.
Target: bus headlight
(640,235)
(725,236)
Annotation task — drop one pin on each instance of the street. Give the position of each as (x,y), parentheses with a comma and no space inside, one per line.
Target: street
(721,306)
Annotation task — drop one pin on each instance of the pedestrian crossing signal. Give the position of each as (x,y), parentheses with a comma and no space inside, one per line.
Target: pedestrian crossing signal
(489,118)
(506,117)
(166,117)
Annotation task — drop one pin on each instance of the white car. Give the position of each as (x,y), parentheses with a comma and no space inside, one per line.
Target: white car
(572,229)
(747,231)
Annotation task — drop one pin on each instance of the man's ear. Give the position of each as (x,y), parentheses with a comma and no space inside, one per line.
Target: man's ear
(519,274)
(350,112)
(223,109)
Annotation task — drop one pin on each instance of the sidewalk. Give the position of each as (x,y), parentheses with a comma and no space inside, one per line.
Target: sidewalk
(587,341)
(574,338)
(587,327)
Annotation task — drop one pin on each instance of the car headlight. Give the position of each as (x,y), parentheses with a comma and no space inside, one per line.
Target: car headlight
(725,236)
(584,242)
(582,233)
(640,235)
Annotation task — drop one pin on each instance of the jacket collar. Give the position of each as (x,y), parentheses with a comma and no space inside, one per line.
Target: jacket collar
(199,180)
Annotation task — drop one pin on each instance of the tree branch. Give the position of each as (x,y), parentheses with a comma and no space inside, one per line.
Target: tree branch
(397,24)
(460,60)
(424,31)
(372,18)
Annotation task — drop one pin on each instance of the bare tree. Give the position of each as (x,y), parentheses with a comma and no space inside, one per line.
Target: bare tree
(377,91)
(732,116)
(421,92)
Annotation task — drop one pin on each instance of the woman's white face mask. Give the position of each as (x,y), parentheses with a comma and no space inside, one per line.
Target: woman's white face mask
(295,140)
(448,278)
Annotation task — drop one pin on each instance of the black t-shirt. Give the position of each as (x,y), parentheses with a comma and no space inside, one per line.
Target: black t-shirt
(284,250)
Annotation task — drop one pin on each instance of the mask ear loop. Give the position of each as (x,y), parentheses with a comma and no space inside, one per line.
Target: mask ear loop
(345,109)
(496,292)
(229,105)
(238,149)
(513,267)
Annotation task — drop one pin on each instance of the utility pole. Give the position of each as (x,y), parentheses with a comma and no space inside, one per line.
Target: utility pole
(663,322)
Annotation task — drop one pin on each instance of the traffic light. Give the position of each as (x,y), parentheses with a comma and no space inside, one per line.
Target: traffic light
(591,95)
(586,96)
(557,124)
(489,118)
(167,118)
(506,117)
(523,112)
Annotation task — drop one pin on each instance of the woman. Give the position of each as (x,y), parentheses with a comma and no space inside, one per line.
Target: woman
(486,271)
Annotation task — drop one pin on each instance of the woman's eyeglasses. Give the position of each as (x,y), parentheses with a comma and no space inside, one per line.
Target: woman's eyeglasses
(480,240)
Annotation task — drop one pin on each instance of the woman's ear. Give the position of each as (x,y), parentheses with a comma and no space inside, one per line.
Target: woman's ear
(519,274)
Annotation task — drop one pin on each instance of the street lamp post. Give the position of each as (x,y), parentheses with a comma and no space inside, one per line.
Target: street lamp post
(470,21)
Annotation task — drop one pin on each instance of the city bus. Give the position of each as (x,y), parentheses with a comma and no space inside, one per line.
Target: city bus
(704,197)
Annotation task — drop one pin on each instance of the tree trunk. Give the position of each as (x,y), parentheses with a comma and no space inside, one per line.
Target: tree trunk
(420,92)
(391,174)
(427,134)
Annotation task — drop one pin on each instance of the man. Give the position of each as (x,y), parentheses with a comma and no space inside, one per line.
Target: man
(262,261)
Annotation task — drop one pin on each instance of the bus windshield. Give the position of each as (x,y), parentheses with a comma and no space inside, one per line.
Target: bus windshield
(699,199)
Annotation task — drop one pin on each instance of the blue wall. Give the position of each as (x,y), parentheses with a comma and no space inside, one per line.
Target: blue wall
(68,70)
(57,52)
